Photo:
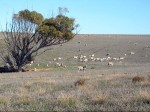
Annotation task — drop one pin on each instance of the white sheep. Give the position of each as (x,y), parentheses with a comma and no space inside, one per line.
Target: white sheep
(59,58)
(75,57)
(82,68)
(110,64)
(35,69)
(85,60)
(92,55)
(121,58)
(132,53)
(108,58)
(54,59)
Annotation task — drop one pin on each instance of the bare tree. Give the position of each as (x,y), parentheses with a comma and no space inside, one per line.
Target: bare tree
(24,38)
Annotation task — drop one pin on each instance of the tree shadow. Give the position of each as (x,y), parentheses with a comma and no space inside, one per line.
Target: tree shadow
(6,70)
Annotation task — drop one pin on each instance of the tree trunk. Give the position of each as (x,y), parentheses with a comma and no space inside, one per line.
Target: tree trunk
(19,69)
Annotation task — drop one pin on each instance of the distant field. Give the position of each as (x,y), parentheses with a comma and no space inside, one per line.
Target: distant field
(99,45)
(106,88)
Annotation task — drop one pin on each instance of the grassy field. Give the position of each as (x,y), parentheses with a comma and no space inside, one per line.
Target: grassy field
(56,91)
(105,88)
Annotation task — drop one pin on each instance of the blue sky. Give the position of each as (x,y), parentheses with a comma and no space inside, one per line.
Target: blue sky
(94,16)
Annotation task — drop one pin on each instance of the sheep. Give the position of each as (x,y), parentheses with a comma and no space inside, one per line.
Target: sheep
(31,62)
(35,69)
(85,60)
(75,57)
(97,59)
(60,64)
(108,58)
(84,56)
(82,68)
(59,58)
(54,59)
(131,53)
(92,58)
(110,64)
(121,58)
(92,55)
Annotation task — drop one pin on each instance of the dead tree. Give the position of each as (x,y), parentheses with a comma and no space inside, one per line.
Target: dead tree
(24,38)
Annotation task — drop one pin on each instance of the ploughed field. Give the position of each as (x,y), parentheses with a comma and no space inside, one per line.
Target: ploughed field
(123,85)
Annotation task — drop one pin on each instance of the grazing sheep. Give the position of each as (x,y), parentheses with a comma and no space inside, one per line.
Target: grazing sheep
(31,62)
(75,57)
(60,64)
(92,55)
(54,59)
(108,58)
(85,60)
(82,68)
(59,58)
(35,69)
(121,58)
(110,64)
(97,59)
(80,82)
(131,53)
(137,79)
(92,58)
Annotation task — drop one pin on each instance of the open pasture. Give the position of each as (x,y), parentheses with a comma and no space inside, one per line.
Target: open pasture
(105,88)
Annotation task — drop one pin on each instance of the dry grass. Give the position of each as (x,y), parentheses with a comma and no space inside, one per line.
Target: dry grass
(4,99)
(23,99)
(99,98)
(114,76)
(142,96)
(66,99)
(70,92)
